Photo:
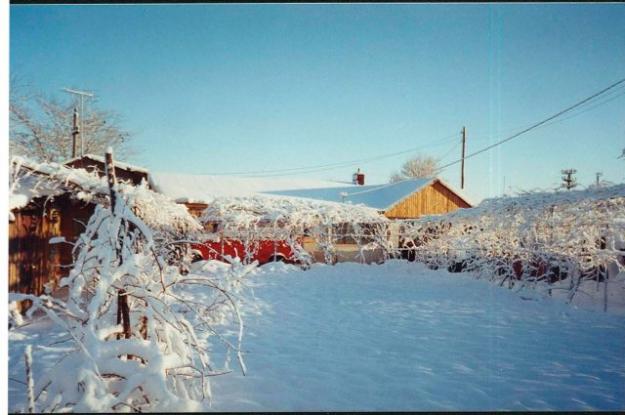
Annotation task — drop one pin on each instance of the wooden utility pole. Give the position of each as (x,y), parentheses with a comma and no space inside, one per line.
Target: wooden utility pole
(568,179)
(464,144)
(75,133)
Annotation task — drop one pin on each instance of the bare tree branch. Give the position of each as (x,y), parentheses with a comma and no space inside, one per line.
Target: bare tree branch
(420,166)
(40,127)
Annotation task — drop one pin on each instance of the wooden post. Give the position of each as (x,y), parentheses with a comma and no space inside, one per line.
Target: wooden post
(123,310)
(143,330)
(75,132)
(464,143)
(109,169)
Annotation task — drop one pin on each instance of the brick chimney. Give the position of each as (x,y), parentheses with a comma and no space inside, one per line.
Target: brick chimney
(358,178)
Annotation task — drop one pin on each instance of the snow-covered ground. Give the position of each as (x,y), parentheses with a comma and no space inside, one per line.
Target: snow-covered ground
(399,336)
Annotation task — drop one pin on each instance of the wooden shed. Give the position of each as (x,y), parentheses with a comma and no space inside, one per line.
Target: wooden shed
(408,199)
(53,211)
(432,198)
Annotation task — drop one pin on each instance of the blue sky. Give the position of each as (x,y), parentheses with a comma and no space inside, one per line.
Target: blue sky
(223,88)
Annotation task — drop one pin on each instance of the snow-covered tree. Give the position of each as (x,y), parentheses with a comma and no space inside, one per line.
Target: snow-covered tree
(138,328)
(420,166)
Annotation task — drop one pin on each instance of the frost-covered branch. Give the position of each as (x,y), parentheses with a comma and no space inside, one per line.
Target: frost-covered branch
(162,361)
(534,240)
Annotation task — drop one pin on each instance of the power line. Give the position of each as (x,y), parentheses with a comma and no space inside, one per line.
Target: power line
(592,107)
(331,166)
(528,127)
(608,97)
(531,127)
(451,150)
(536,125)
(525,128)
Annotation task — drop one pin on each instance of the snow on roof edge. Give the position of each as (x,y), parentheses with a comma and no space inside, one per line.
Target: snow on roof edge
(120,164)
(459,193)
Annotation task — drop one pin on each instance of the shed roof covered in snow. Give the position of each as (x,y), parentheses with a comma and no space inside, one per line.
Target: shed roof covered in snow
(124,171)
(206,188)
(30,180)
(382,197)
(406,199)
(100,159)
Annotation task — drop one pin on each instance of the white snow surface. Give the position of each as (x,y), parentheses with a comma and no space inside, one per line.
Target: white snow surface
(399,336)
(205,188)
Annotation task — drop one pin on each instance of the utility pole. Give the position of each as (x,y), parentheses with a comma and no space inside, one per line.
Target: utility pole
(568,179)
(82,95)
(464,144)
(75,132)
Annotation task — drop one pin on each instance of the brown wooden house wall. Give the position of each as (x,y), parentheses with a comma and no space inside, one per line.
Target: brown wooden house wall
(33,261)
(434,199)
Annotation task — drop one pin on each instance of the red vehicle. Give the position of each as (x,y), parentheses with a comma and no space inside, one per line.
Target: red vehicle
(263,251)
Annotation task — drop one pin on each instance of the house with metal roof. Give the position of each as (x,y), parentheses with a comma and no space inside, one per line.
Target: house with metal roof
(407,199)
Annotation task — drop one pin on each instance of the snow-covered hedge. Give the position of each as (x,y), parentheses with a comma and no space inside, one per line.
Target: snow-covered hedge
(289,218)
(540,239)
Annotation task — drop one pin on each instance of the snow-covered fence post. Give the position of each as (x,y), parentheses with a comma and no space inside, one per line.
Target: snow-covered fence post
(30,384)
(605,293)
(109,168)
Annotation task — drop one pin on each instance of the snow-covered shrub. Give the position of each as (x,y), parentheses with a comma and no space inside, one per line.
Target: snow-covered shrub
(139,329)
(251,219)
(536,239)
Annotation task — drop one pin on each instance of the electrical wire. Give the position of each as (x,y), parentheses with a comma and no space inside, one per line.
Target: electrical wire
(608,97)
(332,166)
(451,150)
(524,129)
(536,125)
(505,140)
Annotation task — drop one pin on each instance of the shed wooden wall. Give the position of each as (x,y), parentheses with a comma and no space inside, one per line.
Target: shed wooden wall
(196,209)
(432,200)
(33,261)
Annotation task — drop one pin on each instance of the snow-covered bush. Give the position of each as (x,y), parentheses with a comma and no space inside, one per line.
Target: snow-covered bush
(139,329)
(251,219)
(537,239)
